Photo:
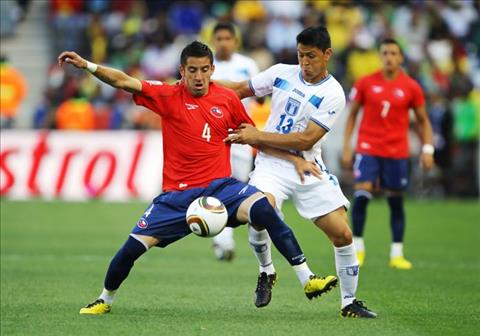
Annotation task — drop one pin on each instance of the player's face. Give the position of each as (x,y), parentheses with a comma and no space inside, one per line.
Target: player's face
(224,43)
(391,57)
(196,73)
(313,62)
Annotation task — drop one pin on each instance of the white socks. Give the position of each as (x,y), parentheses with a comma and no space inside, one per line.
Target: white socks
(359,244)
(261,246)
(107,296)
(303,273)
(223,242)
(347,271)
(396,250)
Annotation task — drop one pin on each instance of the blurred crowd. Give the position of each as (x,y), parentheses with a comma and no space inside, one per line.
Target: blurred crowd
(440,39)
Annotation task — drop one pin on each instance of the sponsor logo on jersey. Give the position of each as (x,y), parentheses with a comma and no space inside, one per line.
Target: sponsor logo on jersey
(216,112)
(191,106)
(300,93)
(331,112)
(377,89)
(292,106)
(182,185)
(142,223)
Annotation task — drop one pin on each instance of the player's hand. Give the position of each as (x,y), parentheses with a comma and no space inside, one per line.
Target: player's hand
(347,158)
(426,161)
(245,134)
(304,167)
(72,58)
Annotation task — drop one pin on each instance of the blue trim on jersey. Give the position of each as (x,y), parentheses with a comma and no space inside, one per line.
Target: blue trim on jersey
(320,124)
(315,101)
(250,84)
(315,84)
(282,84)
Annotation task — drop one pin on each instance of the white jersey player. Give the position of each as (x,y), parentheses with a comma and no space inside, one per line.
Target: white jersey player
(306,101)
(232,66)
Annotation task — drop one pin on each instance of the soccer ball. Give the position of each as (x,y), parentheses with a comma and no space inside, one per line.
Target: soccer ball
(206,216)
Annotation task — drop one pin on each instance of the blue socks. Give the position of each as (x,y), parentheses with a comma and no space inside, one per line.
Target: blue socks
(122,263)
(359,211)
(397,218)
(263,214)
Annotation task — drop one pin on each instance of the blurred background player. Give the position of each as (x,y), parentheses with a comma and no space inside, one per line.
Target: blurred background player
(382,149)
(196,114)
(13,89)
(230,65)
(306,101)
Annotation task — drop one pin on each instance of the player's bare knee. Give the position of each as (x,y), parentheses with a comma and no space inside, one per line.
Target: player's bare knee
(147,241)
(367,186)
(244,208)
(271,199)
(342,238)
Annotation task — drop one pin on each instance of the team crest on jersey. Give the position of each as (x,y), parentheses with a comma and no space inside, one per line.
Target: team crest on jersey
(399,93)
(216,112)
(142,223)
(292,107)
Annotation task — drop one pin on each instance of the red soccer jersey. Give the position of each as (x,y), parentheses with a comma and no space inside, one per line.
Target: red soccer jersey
(384,127)
(193,131)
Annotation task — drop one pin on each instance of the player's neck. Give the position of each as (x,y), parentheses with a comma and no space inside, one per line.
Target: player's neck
(317,79)
(224,57)
(391,75)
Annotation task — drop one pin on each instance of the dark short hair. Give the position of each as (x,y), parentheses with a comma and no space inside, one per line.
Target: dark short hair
(390,40)
(315,36)
(195,49)
(224,26)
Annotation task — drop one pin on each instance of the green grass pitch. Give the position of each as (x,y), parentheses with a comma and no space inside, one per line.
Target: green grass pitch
(54,256)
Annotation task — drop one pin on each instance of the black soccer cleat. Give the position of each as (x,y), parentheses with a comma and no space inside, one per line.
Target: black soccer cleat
(357,309)
(263,293)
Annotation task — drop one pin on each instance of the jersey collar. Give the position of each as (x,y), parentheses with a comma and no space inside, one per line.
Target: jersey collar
(314,84)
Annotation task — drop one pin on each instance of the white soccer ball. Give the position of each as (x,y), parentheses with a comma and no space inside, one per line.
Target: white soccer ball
(206,216)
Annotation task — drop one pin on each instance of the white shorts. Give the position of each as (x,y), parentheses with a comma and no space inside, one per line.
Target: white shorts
(241,159)
(315,198)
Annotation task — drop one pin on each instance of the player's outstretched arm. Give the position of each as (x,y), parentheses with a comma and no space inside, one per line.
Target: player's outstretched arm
(113,77)
(347,151)
(249,135)
(242,89)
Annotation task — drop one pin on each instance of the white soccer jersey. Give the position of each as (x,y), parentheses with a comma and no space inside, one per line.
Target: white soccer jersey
(296,102)
(238,68)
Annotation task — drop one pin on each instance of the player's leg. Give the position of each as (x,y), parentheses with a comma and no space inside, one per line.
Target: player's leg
(365,170)
(258,211)
(395,180)
(241,158)
(159,220)
(118,270)
(261,246)
(335,225)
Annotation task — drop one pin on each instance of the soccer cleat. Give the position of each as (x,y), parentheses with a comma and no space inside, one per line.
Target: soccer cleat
(357,309)
(360,257)
(317,286)
(400,263)
(263,293)
(96,307)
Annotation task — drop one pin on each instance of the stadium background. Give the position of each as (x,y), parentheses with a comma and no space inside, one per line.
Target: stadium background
(112,154)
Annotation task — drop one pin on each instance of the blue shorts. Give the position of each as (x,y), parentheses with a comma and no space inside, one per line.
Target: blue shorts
(164,218)
(389,173)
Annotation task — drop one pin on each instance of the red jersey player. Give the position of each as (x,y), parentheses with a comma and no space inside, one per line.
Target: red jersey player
(196,117)
(382,149)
